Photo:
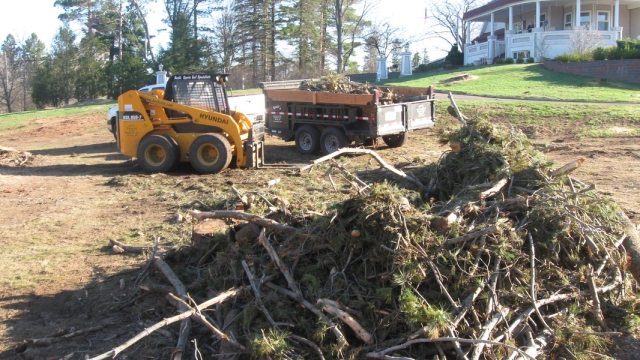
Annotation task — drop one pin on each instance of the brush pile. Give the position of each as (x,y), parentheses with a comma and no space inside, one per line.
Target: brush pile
(13,157)
(341,85)
(498,257)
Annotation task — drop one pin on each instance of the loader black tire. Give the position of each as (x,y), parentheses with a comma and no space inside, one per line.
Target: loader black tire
(158,153)
(395,141)
(210,153)
(308,140)
(332,140)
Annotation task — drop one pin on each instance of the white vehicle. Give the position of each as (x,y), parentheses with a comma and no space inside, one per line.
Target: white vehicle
(113,112)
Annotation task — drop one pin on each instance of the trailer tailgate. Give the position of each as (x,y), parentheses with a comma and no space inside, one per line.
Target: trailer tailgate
(420,114)
(390,119)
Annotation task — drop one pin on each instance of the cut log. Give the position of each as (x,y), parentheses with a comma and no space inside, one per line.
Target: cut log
(203,232)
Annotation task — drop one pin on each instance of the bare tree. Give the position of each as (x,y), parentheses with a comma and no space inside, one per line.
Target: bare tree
(386,39)
(349,25)
(10,72)
(585,39)
(141,12)
(447,20)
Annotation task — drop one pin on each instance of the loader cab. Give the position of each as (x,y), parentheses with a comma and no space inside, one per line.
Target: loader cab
(203,91)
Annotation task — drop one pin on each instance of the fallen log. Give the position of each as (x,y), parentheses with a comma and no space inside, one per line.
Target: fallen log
(239,215)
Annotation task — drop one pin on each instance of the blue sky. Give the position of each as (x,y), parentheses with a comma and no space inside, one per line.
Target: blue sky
(23,17)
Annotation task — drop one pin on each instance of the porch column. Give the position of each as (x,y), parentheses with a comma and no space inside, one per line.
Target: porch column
(511,18)
(538,14)
(382,69)
(468,37)
(492,24)
(508,34)
(576,16)
(616,20)
(491,40)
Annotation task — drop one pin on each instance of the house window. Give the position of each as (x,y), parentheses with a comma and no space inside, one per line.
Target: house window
(517,27)
(543,20)
(585,19)
(568,21)
(603,20)
(521,54)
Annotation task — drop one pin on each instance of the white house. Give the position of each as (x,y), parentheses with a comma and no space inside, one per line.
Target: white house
(510,28)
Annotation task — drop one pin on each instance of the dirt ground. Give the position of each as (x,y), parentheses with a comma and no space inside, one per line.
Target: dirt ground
(61,209)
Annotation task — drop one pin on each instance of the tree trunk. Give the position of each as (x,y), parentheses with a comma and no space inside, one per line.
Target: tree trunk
(339,14)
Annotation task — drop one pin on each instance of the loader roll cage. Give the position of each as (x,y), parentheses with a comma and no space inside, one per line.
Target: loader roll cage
(203,91)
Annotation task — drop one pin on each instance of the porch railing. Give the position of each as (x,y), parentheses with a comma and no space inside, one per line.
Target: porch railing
(548,44)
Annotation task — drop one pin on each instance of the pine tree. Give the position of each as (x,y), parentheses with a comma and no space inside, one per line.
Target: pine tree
(30,61)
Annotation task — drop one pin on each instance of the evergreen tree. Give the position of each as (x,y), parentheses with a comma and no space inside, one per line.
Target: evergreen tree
(30,60)
(55,81)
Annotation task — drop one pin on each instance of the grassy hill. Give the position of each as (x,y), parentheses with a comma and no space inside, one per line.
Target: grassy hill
(525,81)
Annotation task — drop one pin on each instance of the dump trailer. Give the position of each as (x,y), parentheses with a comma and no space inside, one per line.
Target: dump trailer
(190,121)
(323,121)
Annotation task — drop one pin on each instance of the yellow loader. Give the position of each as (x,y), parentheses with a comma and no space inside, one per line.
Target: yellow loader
(190,121)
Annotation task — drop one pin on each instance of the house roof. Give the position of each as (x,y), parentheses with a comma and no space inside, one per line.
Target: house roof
(496,5)
(493,5)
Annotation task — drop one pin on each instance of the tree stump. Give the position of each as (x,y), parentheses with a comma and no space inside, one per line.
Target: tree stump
(248,234)
(203,232)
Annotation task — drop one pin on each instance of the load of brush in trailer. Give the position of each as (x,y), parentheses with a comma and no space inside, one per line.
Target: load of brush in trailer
(326,121)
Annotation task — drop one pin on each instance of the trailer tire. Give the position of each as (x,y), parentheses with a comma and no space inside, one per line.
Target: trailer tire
(307,140)
(394,141)
(332,140)
(210,153)
(158,153)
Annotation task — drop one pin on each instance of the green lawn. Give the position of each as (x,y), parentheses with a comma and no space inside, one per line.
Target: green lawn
(21,119)
(526,81)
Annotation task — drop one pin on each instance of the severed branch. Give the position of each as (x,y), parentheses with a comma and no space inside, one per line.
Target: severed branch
(532,259)
(185,327)
(256,292)
(309,343)
(213,301)
(55,339)
(202,320)
(383,354)
(597,310)
(330,324)
(494,189)
(471,236)
(134,249)
(239,215)
(375,155)
(276,259)
(567,168)
(488,328)
(333,308)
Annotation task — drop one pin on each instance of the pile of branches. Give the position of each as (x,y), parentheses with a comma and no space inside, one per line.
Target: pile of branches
(499,256)
(340,84)
(13,157)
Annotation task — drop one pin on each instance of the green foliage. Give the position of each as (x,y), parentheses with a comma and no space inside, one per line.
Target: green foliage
(574,57)
(270,344)
(500,61)
(427,67)
(520,60)
(508,60)
(530,60)
(435,319)
(455,57)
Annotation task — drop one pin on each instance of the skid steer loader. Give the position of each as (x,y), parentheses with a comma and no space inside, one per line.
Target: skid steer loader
(190,121)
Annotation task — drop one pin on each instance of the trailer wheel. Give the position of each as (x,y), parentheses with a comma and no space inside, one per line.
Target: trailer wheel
(158,153)
(332,140)
(210,153)
(307,140)
(394,141)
